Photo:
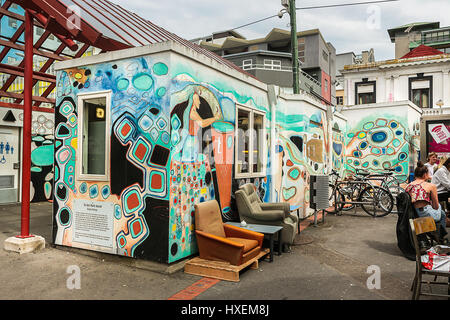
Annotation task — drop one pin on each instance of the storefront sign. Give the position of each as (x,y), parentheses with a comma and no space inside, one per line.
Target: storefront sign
(439,132)
(93,222)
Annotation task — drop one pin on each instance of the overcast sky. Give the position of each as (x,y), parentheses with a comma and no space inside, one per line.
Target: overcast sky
(352,28)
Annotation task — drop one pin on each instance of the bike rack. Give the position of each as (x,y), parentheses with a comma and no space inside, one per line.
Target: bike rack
(350,182)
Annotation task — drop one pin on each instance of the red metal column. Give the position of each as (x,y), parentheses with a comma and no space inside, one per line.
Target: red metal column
(26,144)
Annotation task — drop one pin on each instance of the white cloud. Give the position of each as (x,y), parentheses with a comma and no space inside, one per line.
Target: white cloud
(345,27)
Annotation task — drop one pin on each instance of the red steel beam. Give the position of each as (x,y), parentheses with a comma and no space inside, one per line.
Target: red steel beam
(20,106)
(44,21)
(21,96)
(18,71)
(26,138)
(35,51)
(53,85)
(106,24)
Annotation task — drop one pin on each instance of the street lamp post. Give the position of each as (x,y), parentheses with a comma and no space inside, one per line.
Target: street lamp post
(290,6)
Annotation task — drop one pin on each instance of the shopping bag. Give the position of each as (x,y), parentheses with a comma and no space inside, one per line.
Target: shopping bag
(437,258)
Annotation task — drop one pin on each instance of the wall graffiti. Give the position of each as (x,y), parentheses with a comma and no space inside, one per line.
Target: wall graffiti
(378,144)
(302,150)
(139,159)
(172,145)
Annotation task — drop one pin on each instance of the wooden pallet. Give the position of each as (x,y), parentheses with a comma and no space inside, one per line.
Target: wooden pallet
(220,269)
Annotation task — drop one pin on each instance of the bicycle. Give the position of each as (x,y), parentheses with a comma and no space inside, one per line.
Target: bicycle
(361,191)
(389,181)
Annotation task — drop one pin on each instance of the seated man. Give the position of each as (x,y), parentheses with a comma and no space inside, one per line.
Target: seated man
(441,179)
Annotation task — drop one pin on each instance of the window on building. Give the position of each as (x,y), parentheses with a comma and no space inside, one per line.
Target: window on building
(421,97)
(420,91)
(93,148)
(272,64)
(365,92)
(301,49)
(326,85)
(251,143)
(340,101)
(325,55)
(247,64)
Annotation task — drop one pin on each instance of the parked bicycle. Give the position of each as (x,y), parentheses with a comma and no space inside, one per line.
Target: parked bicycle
(375,200)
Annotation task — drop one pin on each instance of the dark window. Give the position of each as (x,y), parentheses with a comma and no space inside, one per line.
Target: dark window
(365,92)
(421,91)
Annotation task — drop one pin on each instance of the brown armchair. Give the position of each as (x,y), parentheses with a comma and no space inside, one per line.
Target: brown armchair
(253,210)
(218,241)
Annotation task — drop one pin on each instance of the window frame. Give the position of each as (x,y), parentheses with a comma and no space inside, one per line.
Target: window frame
(81,97)
(362,83)
(430,88)
(272,64)
(250,173)
(246,65)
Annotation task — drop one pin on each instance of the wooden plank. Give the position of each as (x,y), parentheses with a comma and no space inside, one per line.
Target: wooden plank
(220,269)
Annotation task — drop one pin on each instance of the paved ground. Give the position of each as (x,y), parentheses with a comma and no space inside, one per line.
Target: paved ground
(333,267)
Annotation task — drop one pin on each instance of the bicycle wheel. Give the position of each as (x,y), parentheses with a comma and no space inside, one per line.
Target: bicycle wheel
(340,197)
(379,201)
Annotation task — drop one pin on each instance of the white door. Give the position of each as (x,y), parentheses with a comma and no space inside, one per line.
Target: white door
(9,164)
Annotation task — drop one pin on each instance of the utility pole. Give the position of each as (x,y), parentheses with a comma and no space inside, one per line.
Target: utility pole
(291,7)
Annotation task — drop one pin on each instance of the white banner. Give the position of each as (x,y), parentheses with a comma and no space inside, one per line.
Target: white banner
(439,132)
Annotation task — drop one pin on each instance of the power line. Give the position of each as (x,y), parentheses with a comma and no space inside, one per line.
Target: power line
(316,7)
(345,4)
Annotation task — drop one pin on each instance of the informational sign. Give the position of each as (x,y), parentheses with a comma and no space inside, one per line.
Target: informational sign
(439,132)
(93,222)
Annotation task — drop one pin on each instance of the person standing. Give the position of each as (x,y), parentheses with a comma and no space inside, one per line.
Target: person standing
(441,179)
(431,161)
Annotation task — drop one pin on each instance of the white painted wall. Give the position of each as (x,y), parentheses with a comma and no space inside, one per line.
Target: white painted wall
(392,79)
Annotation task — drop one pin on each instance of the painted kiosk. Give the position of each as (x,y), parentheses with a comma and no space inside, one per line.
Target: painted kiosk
(143,134)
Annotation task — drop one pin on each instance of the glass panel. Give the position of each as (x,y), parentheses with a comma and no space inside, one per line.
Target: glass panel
(421,97)
(94,136)
(258,143)
(243,143)
(365,98)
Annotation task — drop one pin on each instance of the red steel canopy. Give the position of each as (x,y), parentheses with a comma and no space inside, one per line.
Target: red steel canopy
(78,24)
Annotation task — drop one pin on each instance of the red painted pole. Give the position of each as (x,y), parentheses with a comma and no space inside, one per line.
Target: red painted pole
(26,138)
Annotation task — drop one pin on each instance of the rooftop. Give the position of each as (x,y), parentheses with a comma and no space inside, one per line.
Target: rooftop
(422,51)
(411,26)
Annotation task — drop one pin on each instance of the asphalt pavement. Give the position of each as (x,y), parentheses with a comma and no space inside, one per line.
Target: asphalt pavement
(351,257)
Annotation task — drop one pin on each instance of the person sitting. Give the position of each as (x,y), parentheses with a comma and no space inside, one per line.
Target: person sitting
(424,197)
(441,179)
(431,163)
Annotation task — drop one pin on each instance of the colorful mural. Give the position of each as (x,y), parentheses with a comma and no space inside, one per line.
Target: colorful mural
(378,143)
(172,145)
(302,149)
(139,160)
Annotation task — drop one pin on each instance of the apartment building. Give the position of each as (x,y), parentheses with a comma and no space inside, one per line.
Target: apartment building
(269,59)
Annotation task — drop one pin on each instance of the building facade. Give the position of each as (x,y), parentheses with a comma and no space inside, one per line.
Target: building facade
(269,59)
(157,129)
(345,59)
(424,80)
(411,36)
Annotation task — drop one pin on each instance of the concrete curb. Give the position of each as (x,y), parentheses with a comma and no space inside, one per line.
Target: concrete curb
(127,261)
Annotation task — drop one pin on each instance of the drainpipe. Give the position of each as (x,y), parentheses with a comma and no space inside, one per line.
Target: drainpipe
(26,139)
(273,101)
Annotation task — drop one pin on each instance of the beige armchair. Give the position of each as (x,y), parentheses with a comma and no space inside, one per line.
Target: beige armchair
(219,241)
(253,210)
